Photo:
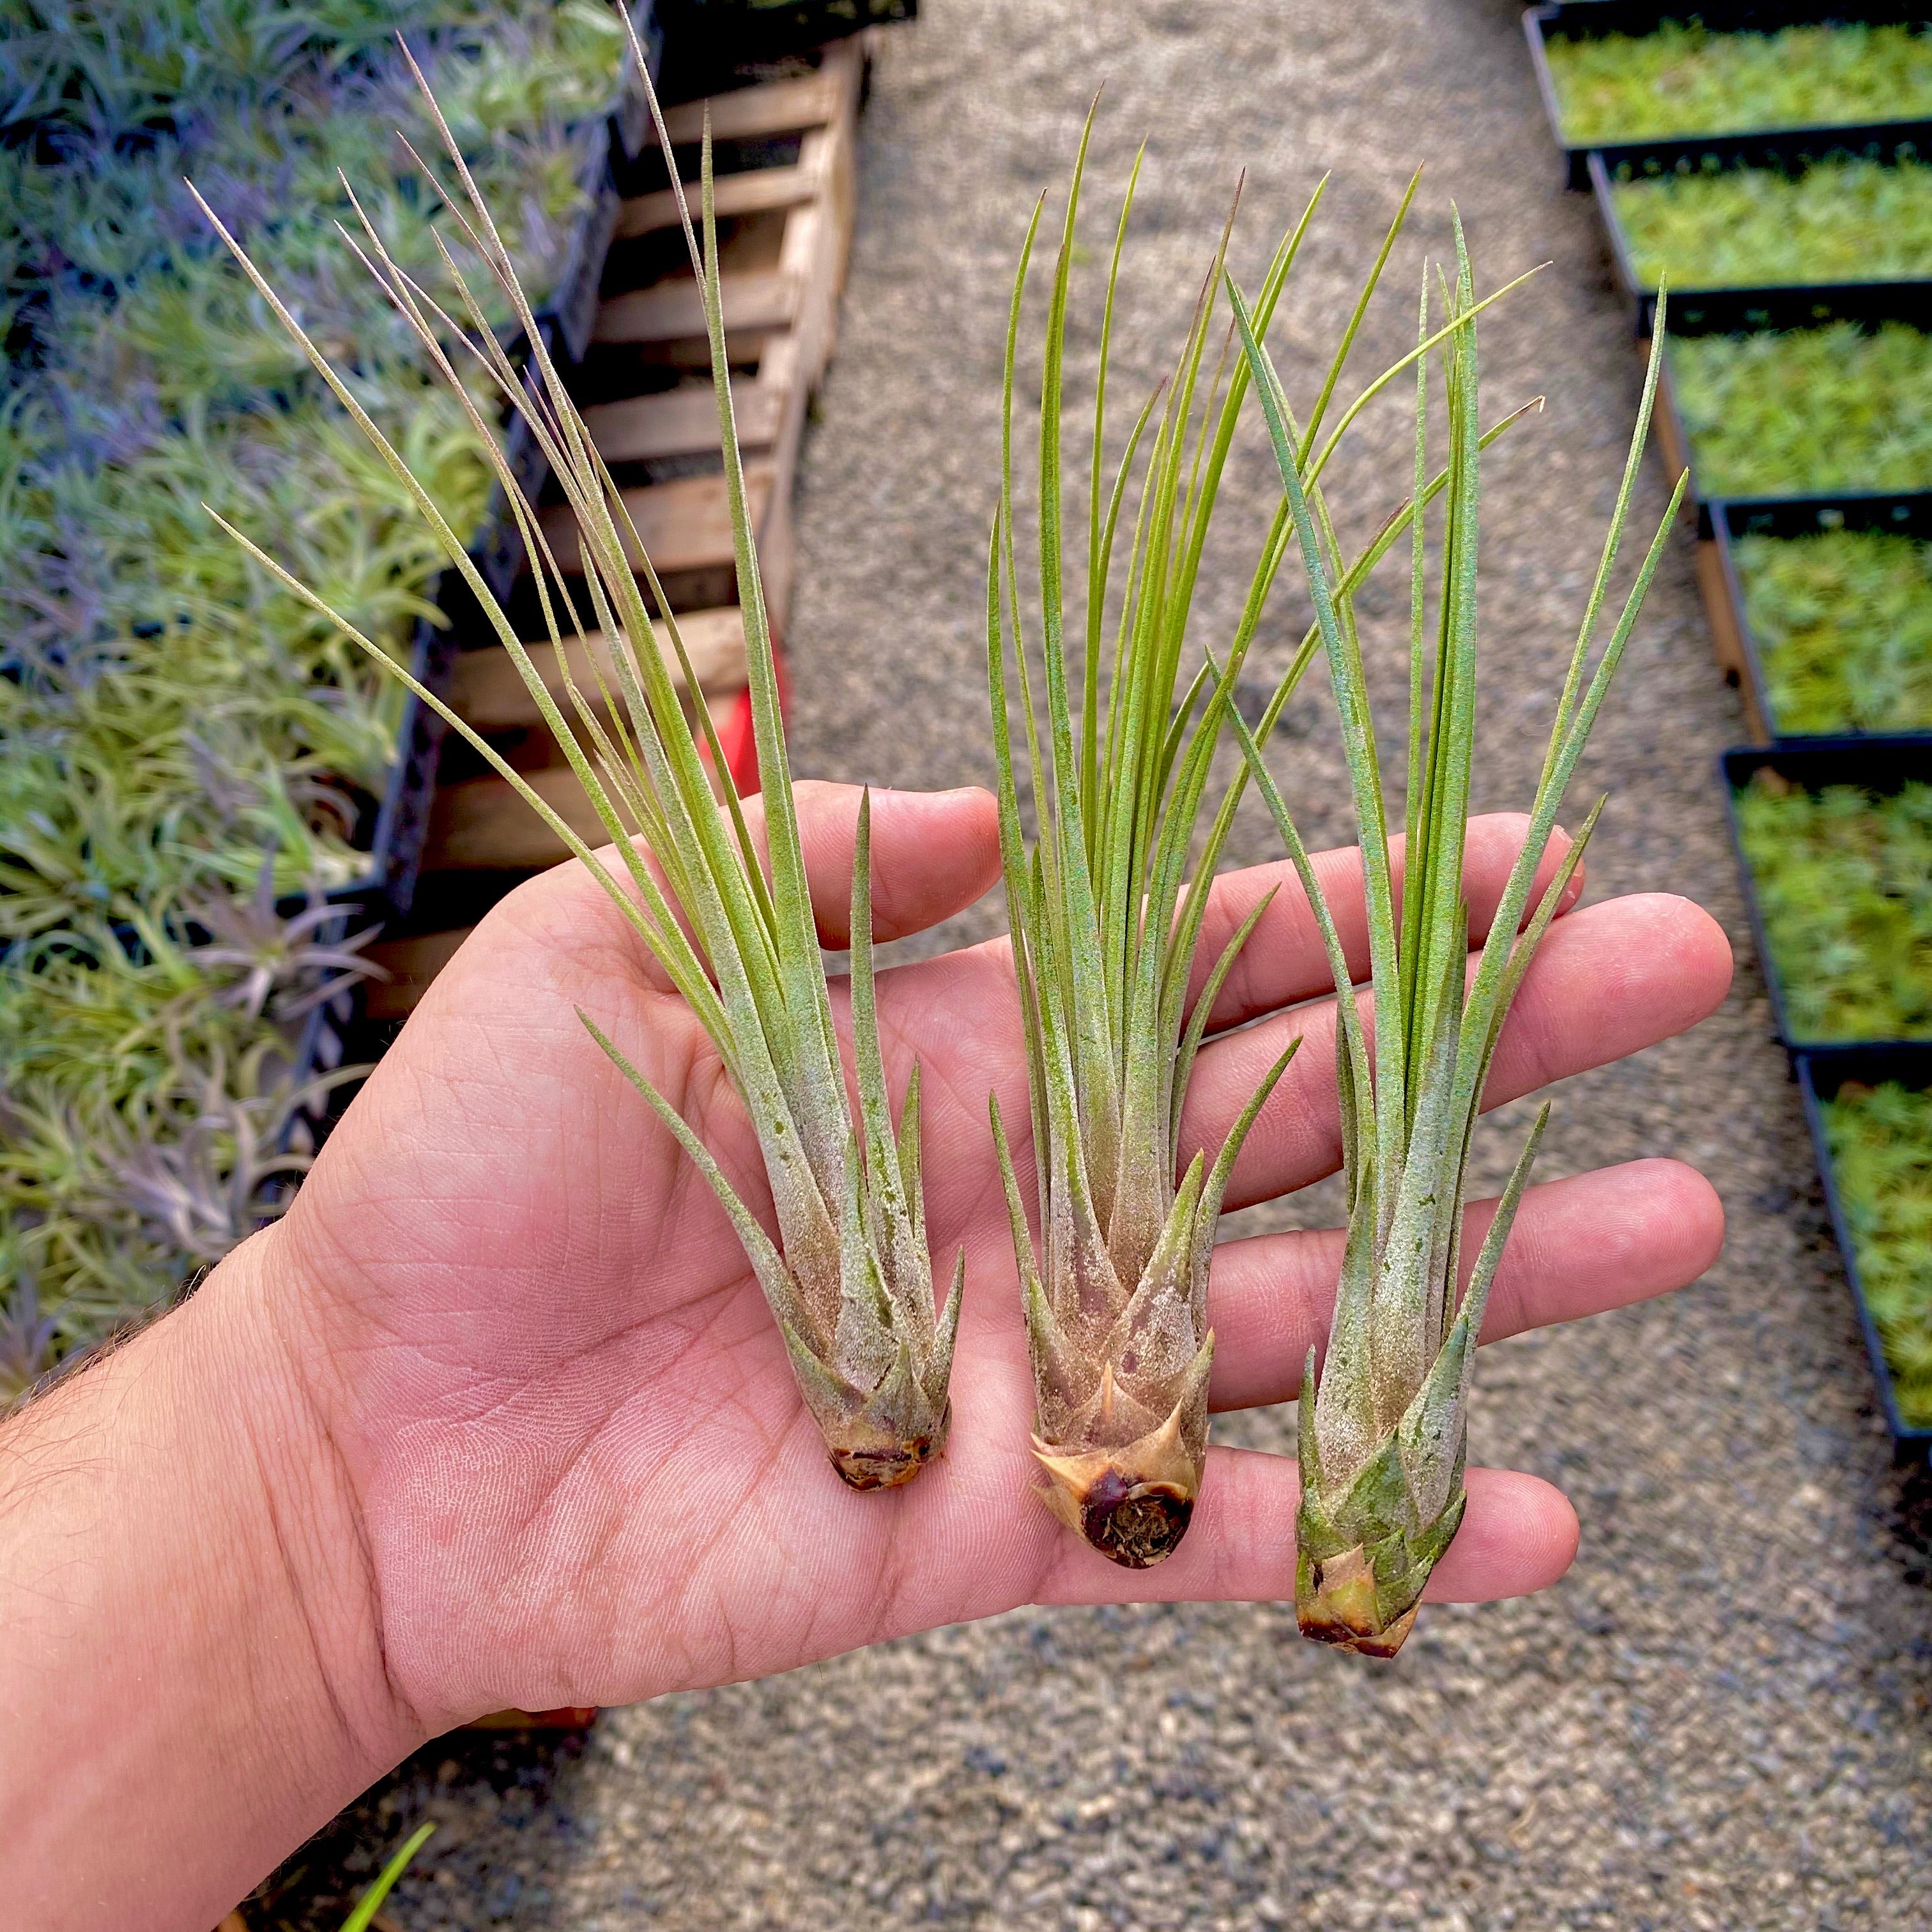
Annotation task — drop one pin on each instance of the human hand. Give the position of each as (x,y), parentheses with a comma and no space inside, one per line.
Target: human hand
(567,1427)
(497,1415)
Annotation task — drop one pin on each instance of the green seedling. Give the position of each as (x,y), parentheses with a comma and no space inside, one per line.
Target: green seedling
(1383,1425)
(850,1281)
(1881,1143)
(1684,78)
(1806,412)
(1841,879)
(1843,625)
(167,715)
(1837,221)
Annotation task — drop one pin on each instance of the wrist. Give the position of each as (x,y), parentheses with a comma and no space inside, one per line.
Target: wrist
(192,1631)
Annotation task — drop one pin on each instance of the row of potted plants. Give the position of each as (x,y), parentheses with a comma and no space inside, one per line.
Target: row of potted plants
(207,799)
(198,775)
(1772,164)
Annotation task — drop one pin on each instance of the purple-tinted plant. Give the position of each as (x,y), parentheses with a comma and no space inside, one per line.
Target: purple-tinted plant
(281,966)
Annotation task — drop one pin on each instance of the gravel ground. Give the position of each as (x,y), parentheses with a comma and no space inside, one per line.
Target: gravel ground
(1724,1716)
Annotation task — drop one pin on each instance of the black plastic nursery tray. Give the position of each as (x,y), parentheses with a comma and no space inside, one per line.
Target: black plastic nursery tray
(1791,516)
(1867,305)
(706,39)
(1820,1075)
(1695,310)
(1875,764)
(1597,19)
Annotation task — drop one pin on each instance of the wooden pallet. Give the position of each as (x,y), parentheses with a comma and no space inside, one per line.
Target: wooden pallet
(784,233)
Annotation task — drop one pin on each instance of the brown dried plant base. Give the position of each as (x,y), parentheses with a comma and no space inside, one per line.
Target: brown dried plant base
(1132,1504)
(886,1464)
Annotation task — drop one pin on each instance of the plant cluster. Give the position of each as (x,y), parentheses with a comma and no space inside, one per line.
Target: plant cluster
(1804,412)
(1881,1144)
(1839,220)
(1684,78)
(185,744)
(1843,621)
(1107,900)
(1844,880)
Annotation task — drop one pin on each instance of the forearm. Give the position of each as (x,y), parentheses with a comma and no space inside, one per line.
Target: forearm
(191,1676)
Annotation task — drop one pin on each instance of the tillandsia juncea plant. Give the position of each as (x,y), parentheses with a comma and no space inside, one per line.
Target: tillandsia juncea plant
(1383,1426)
(850,1280)
(1104,920)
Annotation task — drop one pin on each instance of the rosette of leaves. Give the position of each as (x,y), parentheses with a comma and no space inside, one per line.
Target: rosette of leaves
(1881,1143)
(1804,412)
(1839,220)
(1683,78)
(1843,621)
(1383,1426)
(1843,881)
(1104,915)
(850,1280)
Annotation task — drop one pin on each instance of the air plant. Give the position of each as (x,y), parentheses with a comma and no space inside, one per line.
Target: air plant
(1881,1144)
(167,715)
(1801,412)
(1683,78)
(1840,876)
(284,957)
(850,1280)
(1383,1426)
(26,1341)
(1105,921)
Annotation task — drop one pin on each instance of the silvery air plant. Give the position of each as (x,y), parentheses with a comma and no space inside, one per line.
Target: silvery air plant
(1107,908)
(1383,1429)
(850,1280)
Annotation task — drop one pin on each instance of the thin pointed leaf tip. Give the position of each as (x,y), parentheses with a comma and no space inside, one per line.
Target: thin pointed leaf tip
(1118,726)
(1383,1429)
(849,1279)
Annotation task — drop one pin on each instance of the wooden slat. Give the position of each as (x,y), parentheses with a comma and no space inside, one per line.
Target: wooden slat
(486,825)
(685,525)
(411,965)
(669,310)
(488,689)
(682,421)
(778,107)
(756,191)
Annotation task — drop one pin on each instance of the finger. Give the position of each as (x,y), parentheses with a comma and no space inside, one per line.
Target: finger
(1597,1241)
(1518,1535)
(1608,980)
(1284,960)
(934,852)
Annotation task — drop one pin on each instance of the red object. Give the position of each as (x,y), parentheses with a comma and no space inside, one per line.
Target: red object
(737,738)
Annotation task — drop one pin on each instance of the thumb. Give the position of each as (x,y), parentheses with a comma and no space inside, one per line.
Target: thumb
(934,852)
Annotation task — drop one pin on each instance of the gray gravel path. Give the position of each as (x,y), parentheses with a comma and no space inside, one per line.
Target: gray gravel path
(1724,1717)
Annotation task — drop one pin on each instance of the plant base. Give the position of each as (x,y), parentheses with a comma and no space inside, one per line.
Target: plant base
(1132,1504)
(872,1461)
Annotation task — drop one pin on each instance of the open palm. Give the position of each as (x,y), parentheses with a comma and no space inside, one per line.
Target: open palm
(584,1472)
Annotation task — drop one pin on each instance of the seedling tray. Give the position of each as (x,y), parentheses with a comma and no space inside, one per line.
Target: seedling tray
(1597,19)
(1749,311)
(1875,764)
(1695,310)
(1793,517)
(1820,1075)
